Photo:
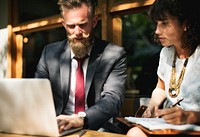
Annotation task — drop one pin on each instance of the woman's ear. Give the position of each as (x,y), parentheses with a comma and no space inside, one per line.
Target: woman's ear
(185,27)
(95,21)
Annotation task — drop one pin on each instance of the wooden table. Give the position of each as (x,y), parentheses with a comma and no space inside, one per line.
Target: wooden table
(158,133)
(89,133)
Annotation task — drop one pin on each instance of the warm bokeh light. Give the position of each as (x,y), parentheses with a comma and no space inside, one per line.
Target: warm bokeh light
(25,40)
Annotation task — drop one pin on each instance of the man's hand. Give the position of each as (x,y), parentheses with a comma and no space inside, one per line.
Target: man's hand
(68,121)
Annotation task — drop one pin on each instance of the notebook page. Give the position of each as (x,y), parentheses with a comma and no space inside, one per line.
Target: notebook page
(159,123)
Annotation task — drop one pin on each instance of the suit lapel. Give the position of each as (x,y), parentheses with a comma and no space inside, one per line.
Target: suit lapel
(94,59)
(65,66)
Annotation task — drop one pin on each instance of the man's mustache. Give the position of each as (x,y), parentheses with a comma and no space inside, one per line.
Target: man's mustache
(83,36)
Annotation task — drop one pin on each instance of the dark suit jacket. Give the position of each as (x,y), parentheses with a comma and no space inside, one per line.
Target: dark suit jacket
(105,80)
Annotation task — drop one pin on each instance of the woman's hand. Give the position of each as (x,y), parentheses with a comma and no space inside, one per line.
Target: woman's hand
(178,116)
(174,115)
(150,111)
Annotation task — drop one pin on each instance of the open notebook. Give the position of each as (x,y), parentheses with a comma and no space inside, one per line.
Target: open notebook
(26,107)
(160,124)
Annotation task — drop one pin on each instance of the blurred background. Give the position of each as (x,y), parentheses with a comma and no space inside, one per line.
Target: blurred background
(26,26)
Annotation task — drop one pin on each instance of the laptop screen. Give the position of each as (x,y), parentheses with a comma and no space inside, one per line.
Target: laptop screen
(26,107)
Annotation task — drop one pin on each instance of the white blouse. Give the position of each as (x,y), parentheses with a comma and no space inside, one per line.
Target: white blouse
(190,86)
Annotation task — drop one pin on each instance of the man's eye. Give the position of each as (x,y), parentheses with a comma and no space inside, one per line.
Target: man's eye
(71,26)
(82,25)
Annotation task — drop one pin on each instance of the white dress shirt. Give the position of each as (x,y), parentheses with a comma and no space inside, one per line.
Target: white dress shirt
(74,65)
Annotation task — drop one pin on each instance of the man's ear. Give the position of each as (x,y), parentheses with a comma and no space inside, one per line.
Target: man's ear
(63,23)
(95,21)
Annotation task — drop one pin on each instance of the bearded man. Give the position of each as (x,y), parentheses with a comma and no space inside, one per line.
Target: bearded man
(100,93)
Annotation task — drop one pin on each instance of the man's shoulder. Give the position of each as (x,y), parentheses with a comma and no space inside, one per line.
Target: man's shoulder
(108,45)
(55,48)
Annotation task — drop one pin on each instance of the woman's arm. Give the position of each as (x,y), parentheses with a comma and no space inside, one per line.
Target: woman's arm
(157,98)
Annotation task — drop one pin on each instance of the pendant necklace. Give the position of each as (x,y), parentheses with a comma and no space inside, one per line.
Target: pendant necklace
(174,87)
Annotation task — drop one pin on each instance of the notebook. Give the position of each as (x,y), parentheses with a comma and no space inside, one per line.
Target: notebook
(160,124)
(26,107)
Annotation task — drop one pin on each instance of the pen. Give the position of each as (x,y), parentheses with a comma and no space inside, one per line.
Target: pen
(176,103)
(81,133)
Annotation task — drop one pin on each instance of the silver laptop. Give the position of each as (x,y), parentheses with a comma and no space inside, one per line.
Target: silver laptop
(26,107)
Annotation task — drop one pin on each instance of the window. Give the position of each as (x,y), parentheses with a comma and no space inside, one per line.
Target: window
(36,9)
(142,52)
(33,46)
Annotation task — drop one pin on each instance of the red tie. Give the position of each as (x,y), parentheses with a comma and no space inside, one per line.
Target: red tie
(79,90)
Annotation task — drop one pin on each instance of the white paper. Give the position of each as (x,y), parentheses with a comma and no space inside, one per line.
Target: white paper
(159,123)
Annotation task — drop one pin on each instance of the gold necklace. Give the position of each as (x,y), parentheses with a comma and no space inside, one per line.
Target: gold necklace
(174,87)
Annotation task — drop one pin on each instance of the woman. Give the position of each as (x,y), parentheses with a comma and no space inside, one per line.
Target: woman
(178,31)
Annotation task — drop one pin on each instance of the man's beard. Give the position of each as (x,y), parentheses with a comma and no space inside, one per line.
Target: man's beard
(80,49)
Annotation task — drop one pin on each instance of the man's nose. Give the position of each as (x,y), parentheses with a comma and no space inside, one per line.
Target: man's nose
(78,30)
